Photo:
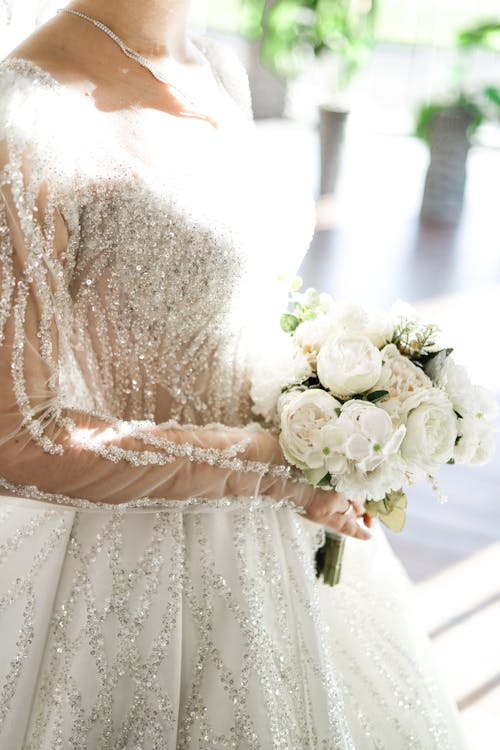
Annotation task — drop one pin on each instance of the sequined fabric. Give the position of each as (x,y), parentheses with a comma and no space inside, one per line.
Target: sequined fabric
(182,617)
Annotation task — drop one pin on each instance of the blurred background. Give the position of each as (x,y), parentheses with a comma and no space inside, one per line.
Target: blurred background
(389,112)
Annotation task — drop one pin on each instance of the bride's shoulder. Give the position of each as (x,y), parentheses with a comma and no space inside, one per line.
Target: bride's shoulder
(229,68)
(23,81)
(28,98)
(38,118)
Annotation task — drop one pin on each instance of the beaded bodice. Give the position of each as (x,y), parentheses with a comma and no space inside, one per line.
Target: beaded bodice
(163,265)
(161,272)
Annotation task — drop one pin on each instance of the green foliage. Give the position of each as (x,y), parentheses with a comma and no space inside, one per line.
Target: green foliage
(461,104)
(325,482)
(476,106)
(486,35)
(415,339)
(391,511)
(293,31)
(376,395)
(289,322)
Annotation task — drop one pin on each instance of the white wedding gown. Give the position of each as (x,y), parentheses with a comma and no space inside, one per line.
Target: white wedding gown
(188,615)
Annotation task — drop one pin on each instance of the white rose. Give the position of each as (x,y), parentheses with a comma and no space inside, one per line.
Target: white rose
(469,434)
(302,415)
(467,398)
(370,321)
(476,444)
(348,365)
(400,377)
(485,450)
(279,368)
(485,403)
(454,379)
(431,431)
(310,335)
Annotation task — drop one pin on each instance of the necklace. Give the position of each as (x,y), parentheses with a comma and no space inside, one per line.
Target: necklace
(133,55)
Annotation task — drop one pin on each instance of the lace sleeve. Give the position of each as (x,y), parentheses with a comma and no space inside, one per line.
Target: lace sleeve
(59,454)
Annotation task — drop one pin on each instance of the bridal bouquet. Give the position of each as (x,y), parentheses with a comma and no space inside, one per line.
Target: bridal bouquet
(367,401)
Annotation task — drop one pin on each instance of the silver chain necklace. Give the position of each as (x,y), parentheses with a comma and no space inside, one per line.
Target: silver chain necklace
(133,55)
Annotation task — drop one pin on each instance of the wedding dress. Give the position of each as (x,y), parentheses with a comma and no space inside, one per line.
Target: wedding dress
(157,587)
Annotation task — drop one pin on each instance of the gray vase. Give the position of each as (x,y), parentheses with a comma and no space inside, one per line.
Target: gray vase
(268,89)
(444,188)
(332,124)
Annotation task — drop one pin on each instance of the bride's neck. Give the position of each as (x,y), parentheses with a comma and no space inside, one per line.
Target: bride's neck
(155,28)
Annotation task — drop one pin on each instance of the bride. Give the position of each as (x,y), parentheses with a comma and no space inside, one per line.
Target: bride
(157,578)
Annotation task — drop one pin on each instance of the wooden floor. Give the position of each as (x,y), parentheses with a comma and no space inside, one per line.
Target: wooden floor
(370,244)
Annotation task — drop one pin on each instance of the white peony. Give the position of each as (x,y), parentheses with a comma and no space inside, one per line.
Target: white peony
(302,415)
(274,370)
(311,335)
(431,431)
(400,377)
(370,321)
(349,365)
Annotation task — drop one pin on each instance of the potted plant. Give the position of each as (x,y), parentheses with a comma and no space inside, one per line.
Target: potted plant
(293,34)
(447,126)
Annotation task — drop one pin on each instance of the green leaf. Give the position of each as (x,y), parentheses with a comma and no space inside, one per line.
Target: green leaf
(492,93)
(296,284)
(289,322)
(317,477)
(391,511)
(325,482)
(376,395)
(395,520)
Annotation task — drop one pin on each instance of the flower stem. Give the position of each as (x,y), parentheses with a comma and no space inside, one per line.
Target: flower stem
(329,558)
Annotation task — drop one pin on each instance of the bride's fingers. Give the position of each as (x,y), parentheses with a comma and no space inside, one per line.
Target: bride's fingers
(358,507)
(353,528)
(347,523)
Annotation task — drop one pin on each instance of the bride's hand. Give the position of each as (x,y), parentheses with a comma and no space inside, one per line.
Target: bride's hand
(333,510)
(326,507)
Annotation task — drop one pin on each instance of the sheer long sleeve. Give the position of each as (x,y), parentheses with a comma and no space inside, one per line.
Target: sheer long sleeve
(51,452)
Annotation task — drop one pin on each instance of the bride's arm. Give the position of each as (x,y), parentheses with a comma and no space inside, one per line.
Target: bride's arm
(47,450)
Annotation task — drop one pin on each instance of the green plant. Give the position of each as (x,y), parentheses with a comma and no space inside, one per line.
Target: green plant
(291,32)
(478,105)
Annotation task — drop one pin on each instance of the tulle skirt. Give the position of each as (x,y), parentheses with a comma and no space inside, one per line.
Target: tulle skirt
(206,629)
